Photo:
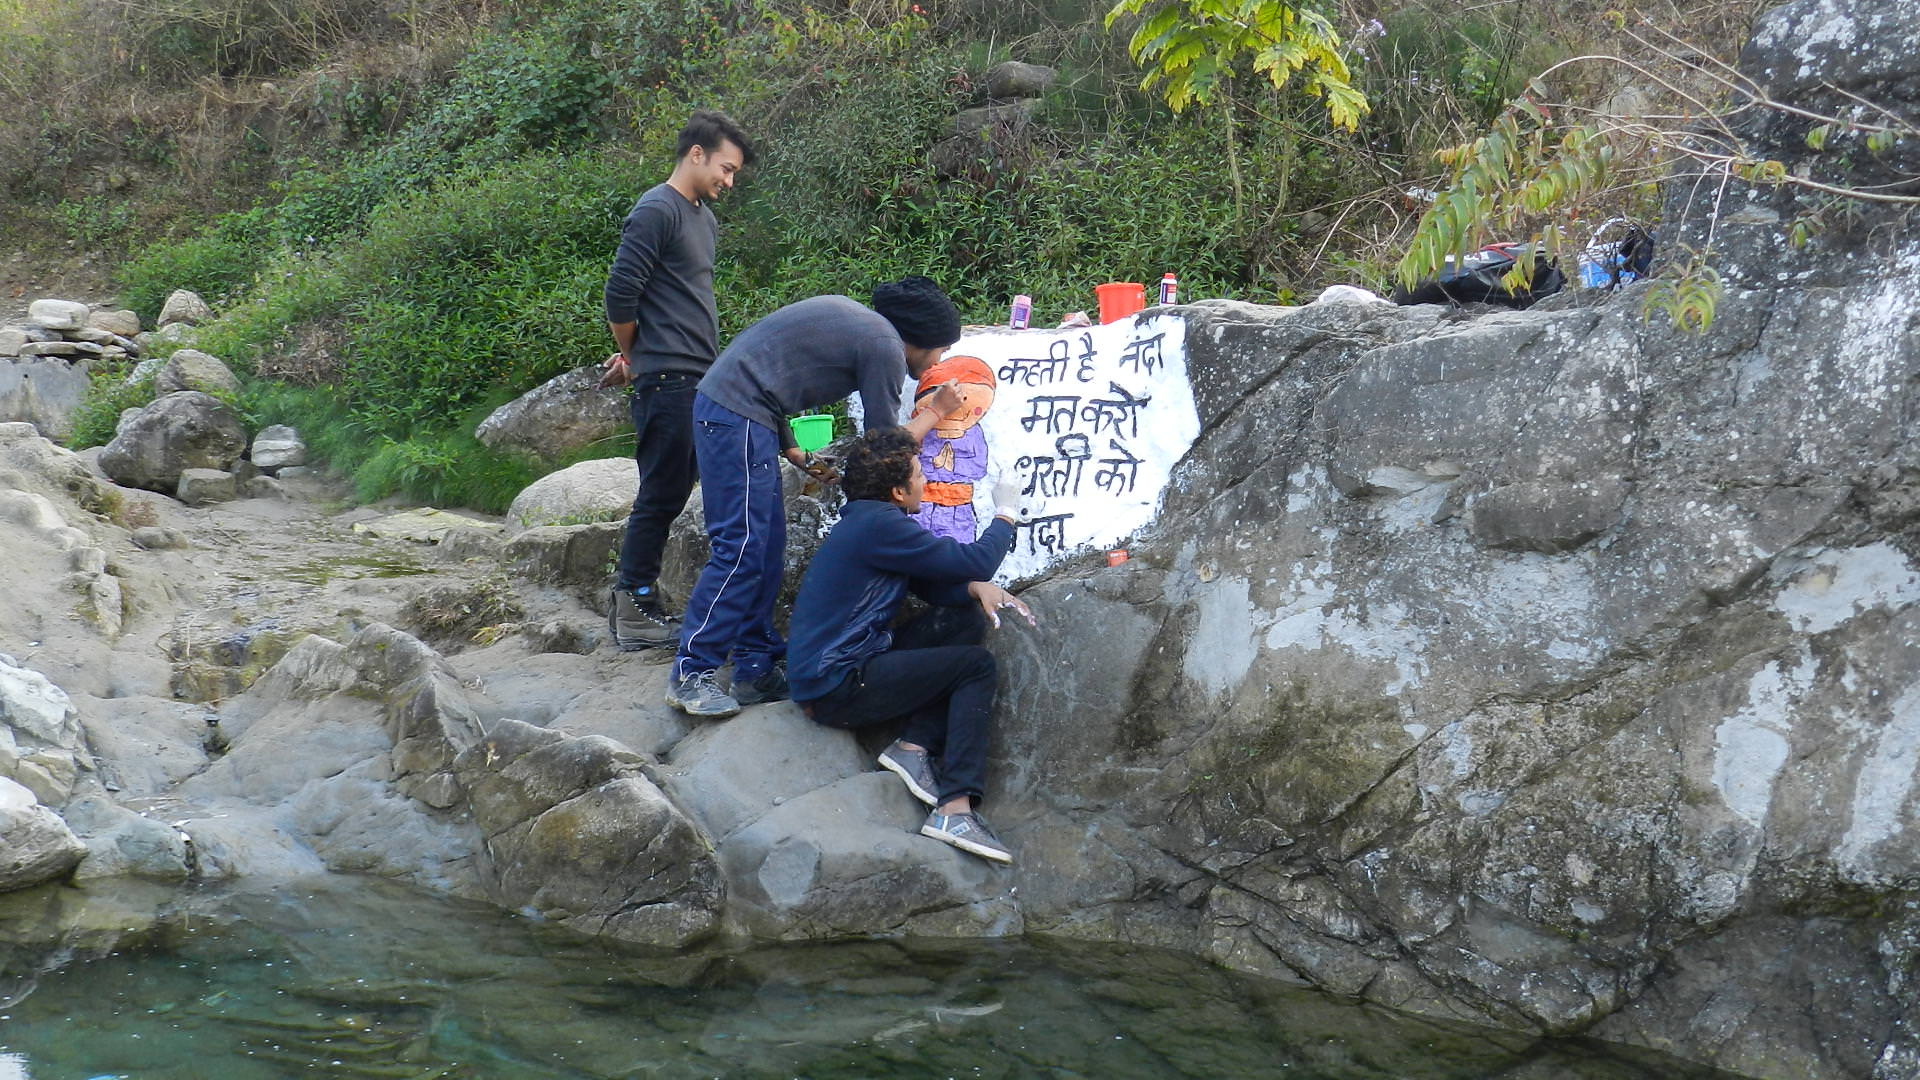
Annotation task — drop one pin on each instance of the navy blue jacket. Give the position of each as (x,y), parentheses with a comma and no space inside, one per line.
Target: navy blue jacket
(855,584)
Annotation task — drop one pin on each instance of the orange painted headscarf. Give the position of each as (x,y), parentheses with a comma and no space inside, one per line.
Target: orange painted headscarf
(966,369)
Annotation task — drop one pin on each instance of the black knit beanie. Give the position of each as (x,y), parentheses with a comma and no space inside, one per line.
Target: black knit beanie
(917,308)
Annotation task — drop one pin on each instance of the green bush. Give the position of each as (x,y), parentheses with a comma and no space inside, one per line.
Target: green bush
(108,395)
(219,263)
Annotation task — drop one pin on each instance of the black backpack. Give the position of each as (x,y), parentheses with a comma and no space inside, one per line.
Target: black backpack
(1479,279)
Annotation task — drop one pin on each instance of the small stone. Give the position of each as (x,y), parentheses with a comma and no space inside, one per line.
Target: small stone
(85,333)
(278,446)
(124,323)
(172,334)
(58,314)
(200,487)
(11,339)
(265,487)
(145,369)
(60,348)
(185,306)
(191,369)
(156,538)
(296,472)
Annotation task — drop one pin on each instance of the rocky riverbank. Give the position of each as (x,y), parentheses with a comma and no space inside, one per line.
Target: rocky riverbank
(1552,670)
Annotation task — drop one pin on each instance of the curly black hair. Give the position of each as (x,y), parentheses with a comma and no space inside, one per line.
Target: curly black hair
(878,462)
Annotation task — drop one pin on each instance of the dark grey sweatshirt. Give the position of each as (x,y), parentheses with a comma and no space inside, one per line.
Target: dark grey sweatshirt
(662,279)
(809,354)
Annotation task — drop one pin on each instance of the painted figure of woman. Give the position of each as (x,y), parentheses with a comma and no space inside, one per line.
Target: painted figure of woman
(954,453)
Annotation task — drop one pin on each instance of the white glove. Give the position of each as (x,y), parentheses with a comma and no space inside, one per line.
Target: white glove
(1006,496)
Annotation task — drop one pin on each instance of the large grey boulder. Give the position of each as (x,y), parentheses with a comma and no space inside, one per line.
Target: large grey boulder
(35,845)
(576,831)
(564,414)
(184,306)
(601,489)
(184,430)
(191,369)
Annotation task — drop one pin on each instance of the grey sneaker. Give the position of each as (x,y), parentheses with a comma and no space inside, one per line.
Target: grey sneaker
(770,686)
(914,770)
(968,833)
(639,622)
(699,695)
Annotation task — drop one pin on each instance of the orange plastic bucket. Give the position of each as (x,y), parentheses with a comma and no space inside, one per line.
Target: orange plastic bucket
(1119,299)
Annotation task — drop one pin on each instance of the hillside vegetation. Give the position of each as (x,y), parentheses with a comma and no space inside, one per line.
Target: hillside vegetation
(405,211)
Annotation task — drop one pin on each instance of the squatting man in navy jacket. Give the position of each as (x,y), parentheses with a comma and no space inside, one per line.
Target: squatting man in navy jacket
(848,671)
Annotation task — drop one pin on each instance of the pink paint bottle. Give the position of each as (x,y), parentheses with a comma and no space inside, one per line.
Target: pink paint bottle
(1021,313)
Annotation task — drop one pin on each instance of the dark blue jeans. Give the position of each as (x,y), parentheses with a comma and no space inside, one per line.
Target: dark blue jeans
(941,679)
(730,614)
(662,410)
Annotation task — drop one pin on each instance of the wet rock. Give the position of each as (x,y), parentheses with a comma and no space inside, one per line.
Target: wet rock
(562,415)
(35,845)
(1552,518)
(203,487)
(180,431)
(276,447)
(592,491)
(191,369)
(58,314)
(184,306)
(122,843)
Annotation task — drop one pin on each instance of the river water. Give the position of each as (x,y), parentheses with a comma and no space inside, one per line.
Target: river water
(360,978)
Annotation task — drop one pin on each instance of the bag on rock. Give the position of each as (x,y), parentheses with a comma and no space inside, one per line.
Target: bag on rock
(1480,278)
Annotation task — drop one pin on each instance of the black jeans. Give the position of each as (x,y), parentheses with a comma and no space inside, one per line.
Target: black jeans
(938,676)
(662,408)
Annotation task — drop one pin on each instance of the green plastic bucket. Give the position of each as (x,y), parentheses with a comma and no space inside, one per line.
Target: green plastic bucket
(811,433)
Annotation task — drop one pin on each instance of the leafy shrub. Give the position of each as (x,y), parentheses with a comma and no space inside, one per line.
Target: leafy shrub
(108,395)
(218,263)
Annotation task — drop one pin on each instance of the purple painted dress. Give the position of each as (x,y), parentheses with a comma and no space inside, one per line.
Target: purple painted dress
(969,467)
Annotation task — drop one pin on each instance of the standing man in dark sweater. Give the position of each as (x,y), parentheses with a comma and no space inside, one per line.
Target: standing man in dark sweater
(849,671)
(802,356)
(659,301)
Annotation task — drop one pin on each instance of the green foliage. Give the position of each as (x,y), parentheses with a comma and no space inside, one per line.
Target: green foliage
(95,221)
(108,395)
(1191,49)
(1515,176)
(218,263)
(1689,299)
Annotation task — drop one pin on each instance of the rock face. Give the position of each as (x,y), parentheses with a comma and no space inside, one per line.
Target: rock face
(561,415)
(184,430)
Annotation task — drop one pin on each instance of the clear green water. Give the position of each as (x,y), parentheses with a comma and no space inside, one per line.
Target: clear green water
(366,979)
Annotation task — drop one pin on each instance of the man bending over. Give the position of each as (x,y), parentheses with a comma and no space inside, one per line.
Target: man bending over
(849,671)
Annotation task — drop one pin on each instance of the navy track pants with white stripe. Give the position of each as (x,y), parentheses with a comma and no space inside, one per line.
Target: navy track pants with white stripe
(730,614)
